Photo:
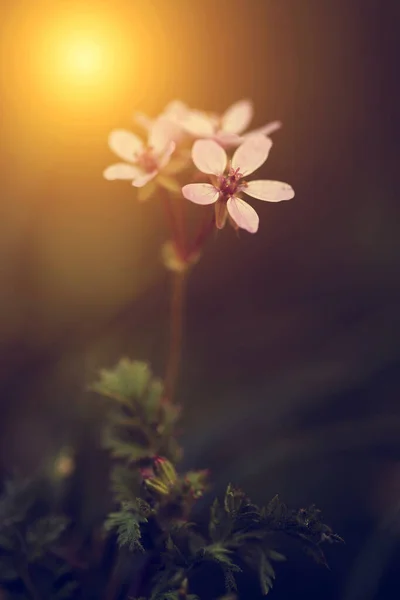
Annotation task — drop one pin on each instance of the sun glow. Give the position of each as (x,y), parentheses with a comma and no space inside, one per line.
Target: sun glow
(82,57)
(76,54)
(69,63)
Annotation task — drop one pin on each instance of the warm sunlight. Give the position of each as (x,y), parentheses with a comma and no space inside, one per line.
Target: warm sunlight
(79,56)
(82,57)
(80,61)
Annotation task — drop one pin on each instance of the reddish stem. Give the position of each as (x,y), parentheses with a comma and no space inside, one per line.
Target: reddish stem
(206,228)
(176,334)
(176,226)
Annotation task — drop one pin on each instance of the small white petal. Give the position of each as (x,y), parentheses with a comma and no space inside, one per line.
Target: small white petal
(176,109)
(198,124)
(143,120)
(238,117)
(125,144)
(227,140)
(209,157)
(243,214)
(265,129)
(271,191)
(161,133)
(251,154)
(166,156)
(143,178)
(200,193)
(121,171)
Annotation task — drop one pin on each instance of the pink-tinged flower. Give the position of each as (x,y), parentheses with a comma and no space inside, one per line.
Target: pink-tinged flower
(227,130)
(172,117)
(227,181)
(143,161)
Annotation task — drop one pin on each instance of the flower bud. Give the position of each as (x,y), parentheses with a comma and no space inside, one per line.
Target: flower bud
(157,486)
(165,470)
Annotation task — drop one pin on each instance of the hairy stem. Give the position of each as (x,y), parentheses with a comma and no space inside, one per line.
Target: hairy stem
(206,228)
(175,223)
(176,334)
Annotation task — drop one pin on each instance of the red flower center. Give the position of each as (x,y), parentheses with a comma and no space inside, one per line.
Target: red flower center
(231,184)
(147,161)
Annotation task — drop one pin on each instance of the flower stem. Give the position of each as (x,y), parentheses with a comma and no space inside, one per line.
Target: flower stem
(206,228)
(176,334)
(175,222)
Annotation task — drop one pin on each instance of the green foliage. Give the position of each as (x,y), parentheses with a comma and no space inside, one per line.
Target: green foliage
(141,422)
(126,523)
(150,518)
(27,541)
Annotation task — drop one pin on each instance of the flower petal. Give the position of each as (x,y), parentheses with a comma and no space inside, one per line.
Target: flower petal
(209,157)
(238,117)
(271,191)
(143,120)
(161,133)
(143,178)
(227,139)
(243,214)
(125,144)
(165,157)
(176,110)
(121,171)
(200,193)
(251,154)
(265,129)
(198,124)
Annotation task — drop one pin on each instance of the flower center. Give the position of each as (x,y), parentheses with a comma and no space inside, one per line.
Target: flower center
(231,184)
(147,161)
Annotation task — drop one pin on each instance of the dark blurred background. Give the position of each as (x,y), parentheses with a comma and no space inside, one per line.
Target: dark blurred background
(291,358)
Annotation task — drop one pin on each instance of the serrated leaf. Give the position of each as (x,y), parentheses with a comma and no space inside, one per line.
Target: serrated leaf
(42,533)
(266,574)
(127,526)
(128,380)
(233,500)
(220,554)
(154,394)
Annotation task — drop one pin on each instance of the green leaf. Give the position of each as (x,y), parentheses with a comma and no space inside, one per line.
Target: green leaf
(154,394)
(220,554)
(42,533)
(266,574)
(131,451)
(127,522)
(127,381)
(234,499)
(125,483)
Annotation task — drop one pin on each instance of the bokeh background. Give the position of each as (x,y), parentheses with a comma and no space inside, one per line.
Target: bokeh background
(291,358)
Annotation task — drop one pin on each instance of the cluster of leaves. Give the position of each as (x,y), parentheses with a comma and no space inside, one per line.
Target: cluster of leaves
(154,502)
(29,534)
(157,551)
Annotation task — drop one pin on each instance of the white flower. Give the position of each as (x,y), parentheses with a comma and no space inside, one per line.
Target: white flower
(227,130)
(172,116)
(227,183)
(143,162)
